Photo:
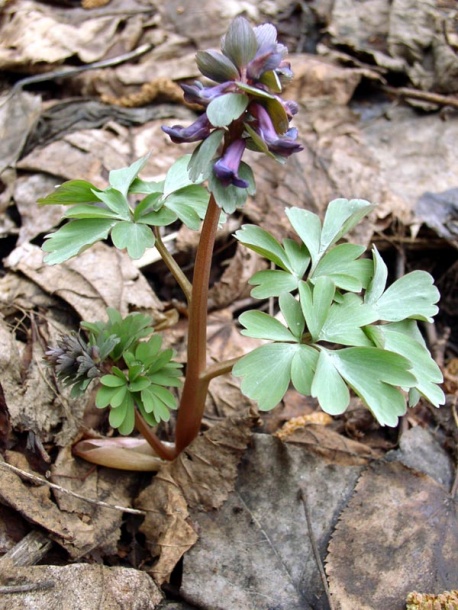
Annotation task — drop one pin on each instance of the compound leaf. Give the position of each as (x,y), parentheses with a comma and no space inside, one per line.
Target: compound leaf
(266,373)
(72,192)
(73,237)
(262,326)
(328,386)
(135,238)
(121,179)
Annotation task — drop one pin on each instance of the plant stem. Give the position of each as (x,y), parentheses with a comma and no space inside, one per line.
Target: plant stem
(173,266)
(219,368)
(192,402)
(166,453)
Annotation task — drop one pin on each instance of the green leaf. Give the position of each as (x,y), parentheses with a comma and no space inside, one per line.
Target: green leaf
(266,373)
(147,351)
(308,226)
(292,312)
(240,43)
(112,381)
(405,339)
(259,240)
(298,257)
(225,109)
(411,296)
(340,264)
(104,396)
(200,164)
(146,187)
(121,179)
(271,283)
(117,416)
(116,202)
(372,373)
(329,387)
(86,210)
(216,66)
(139,384)
(341,217)
(72,192)
(118,396)
(189,204)
(277,114)
(262,326)
(316,302)
(303,368)
(166,378)
(229,198)
(178,176)
(254,91)
(128,424)
(378,283)
(73,237)
(135,238)
(344,321)
(150,203)
(161,218)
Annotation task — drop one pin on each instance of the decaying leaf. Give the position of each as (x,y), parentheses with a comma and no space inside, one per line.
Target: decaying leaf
(258,544)
(100,277)
(80,527)
(399,533)
(200,478)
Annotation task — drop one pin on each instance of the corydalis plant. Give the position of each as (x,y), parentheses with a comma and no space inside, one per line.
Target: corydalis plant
(341,329)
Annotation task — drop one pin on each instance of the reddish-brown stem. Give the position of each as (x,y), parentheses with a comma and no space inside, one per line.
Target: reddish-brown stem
(192,402)
(166,453)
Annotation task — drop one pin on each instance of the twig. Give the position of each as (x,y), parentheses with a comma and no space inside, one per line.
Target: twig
(316,552)
(33,586)
(425,96)
(43,481)
(105,63)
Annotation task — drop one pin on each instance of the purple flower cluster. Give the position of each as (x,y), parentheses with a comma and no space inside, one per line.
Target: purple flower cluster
(252,66)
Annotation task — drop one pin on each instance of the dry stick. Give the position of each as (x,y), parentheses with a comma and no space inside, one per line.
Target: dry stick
(315,550)
(425,96)
(42,481)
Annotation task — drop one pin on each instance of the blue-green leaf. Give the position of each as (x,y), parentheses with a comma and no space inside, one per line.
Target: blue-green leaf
(303,367)
(200,164)
(135,238)
(239,43)
(262,326)
(292,312)
(344,321)
(226,108)
(266,373)
(178,176)
(343,265)
(411,296)
(308,226)
(146,187)
(373,374)
(121,179)
(189,204)
(259,240)
(271,283)
(378,283)
(86,210)
(72,192)
(315,302)
(73,237)
(116,202)
(341,217)
(329,387)
(405,339)
(216,66)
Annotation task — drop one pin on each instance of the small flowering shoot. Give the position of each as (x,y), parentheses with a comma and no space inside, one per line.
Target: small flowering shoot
(340,329)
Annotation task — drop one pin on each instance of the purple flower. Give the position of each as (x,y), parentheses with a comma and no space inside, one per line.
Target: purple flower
(198,94)
(227,167)
(198,130)
(284,145)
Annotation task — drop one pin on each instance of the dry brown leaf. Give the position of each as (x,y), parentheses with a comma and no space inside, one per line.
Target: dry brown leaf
(200,478)
(329,444)
(18,114)
(399,533)
(98,278)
